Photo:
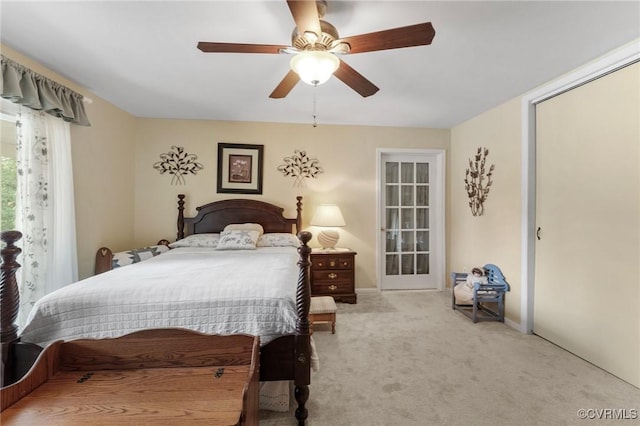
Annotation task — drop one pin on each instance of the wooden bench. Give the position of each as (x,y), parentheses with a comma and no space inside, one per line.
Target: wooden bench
(163,377)
(323,310)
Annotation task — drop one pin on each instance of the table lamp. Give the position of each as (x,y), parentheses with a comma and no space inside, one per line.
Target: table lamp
(329,216)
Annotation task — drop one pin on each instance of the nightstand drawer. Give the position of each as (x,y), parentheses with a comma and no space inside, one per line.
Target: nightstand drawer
(332,275)
(325,262)
(336,287)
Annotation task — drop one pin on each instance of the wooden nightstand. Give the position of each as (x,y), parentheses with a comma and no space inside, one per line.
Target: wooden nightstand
(333,274)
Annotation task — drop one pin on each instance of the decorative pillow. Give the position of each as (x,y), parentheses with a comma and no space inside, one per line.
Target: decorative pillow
(238,240)
(124,258)
(197,240)
(245,227)
(276,239)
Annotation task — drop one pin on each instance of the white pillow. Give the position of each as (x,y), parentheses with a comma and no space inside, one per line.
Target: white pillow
(275,239)
(238,240)
(197,240)
(245,227)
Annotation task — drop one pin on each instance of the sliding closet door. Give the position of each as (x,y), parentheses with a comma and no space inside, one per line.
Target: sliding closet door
(587,275)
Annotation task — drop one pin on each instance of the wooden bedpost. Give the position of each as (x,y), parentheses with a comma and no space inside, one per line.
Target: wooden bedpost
(9,301)
(180,216)
(303,339)
(299,214)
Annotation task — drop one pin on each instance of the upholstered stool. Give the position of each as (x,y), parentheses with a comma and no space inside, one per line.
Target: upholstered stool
(323,310)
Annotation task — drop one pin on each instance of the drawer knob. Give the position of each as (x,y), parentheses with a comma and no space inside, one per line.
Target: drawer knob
(333,287)
(332,263)
(333,275)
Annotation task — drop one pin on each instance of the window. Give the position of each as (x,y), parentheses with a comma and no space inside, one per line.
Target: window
(8,171)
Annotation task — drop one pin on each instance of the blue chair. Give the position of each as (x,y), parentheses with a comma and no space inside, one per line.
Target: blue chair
(485,296)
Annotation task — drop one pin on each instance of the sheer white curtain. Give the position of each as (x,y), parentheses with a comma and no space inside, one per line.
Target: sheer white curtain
(45,211)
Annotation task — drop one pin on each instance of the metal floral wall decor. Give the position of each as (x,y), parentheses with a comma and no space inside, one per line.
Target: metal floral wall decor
(477,181)
(178,164)
(300,167)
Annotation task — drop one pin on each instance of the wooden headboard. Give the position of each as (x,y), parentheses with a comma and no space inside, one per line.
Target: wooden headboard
(213,217)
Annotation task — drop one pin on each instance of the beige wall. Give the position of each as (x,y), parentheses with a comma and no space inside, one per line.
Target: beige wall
(495,236)
(103,173)
(346,153)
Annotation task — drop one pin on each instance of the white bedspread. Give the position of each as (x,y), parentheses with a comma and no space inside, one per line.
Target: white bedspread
(217,292)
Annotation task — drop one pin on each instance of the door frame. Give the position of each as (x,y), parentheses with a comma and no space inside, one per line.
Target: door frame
(438,194)
(615,60)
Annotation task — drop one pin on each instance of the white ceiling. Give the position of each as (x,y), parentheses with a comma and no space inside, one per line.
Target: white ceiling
(142,56)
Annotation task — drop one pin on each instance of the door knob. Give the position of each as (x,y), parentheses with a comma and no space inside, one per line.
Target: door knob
(538,233)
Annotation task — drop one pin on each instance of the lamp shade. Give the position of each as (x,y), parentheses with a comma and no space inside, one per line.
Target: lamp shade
(314,67)
(328,215)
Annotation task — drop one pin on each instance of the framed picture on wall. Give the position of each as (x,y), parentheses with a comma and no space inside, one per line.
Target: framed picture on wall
(240,168)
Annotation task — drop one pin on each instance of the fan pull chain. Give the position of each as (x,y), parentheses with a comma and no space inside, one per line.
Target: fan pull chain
(315,122)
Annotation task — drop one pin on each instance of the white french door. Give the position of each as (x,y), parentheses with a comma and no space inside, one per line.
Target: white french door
(411,219)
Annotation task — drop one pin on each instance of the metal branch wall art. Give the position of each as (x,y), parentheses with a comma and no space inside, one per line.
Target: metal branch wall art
(477,181)
(300,167)
(178,164)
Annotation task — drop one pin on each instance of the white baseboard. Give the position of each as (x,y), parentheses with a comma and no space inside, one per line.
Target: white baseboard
(367,290)
(511,323)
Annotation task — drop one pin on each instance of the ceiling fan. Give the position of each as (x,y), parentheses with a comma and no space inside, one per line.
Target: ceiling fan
(316,46)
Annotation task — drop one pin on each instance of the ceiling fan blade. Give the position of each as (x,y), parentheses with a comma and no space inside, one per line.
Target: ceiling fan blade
(412,35)
(210,47)
(305,13)
(285,86)
(355,80)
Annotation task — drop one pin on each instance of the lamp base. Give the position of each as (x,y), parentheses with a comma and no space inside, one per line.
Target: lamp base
(328,238)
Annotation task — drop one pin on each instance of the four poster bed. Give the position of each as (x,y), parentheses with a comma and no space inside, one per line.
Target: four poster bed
(212,281)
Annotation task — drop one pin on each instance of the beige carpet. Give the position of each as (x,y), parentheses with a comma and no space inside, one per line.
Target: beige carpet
(406,358)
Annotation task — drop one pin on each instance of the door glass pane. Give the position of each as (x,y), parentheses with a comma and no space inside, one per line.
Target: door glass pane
(422,195)
(407,243)
(422,266)
(407,172)
(422,218)
(393,195)
(391,172)
(392,267)
(392,220)
(422,241)
(407,219)
(407,264)
(392,241)
(407,195)
(422,172)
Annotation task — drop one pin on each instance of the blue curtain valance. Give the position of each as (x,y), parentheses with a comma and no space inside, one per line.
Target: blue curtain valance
(23,86)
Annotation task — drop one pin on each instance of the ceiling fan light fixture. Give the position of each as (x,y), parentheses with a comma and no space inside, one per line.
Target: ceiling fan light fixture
(315,67)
